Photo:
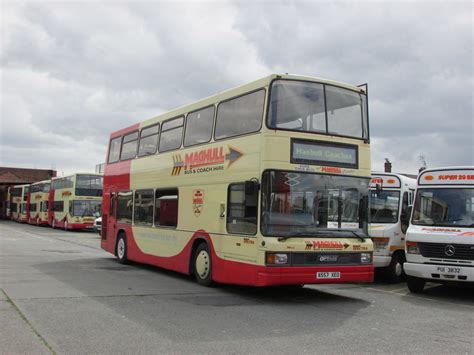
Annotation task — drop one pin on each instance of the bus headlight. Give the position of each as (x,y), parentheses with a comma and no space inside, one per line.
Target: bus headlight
(277,258)
(365,258)
(380,243)
(412,248)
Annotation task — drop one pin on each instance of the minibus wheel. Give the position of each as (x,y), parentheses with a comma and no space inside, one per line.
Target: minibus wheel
(65,225)
(203,265)
(395,273)
(121,249)
(415,284)
(53,225)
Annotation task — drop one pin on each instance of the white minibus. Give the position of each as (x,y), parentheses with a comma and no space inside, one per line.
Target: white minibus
(440,239)
(390,196)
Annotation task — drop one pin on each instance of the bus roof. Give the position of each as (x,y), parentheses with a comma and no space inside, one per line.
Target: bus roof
(75,174)
(391,180)
(18,186)
(227,94)
(41,182)
(453,175)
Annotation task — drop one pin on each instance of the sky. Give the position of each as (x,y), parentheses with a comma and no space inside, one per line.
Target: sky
(73,72)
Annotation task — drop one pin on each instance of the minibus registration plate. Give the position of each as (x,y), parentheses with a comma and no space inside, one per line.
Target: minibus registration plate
(328,275)
(449,270)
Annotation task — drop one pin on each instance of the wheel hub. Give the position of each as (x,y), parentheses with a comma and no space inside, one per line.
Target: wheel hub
(202,264)
(121,248)
(398,269)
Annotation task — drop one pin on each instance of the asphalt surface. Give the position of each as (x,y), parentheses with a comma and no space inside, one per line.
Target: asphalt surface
(60,293)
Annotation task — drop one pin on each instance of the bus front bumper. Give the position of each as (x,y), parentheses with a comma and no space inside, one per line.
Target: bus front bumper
(440,272)
(270,276)
(80,226)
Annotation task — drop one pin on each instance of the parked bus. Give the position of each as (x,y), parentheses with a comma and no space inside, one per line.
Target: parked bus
(390,196)
(38,202)
(75,201)
(264,184)
(440,239)
(19,197)
(5,203)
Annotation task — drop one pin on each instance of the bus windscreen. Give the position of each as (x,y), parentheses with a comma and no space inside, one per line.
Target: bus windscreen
(313,107)
(88,185)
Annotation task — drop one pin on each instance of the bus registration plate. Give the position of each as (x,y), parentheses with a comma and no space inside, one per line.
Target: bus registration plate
(328,275)
(449,270)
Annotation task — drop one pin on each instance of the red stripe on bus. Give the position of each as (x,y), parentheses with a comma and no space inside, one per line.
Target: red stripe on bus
(226,271)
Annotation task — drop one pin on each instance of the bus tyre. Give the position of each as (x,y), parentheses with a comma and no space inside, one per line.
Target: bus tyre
(121,250)
(203,265)
(395,272)
(53,224)
(415,284)
(65,225)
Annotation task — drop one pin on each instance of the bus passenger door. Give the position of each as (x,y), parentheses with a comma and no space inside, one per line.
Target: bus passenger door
(109,220)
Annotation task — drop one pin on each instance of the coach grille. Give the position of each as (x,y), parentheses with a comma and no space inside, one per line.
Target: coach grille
(445,251)
(304,259)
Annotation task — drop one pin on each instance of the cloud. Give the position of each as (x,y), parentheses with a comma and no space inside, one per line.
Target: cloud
(72,73)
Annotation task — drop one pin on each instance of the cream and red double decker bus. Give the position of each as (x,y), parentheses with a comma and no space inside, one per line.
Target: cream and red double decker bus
(19,198)
(440,238)
(75,201)
(264,184)
(38,202)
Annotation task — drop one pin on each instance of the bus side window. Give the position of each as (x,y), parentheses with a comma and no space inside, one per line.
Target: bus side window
(148,140)
(58,206)
(241,210)
(114,151)
(171,134)
(166,208)
(124,207)
(143,207)
(129,146)
(240,115)
(199,126)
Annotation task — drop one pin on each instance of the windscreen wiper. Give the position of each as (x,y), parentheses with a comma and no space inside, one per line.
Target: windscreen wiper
(353,232)
(301,234)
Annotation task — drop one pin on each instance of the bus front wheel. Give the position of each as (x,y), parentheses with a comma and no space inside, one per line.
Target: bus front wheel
(415,284)
(203,265)
(394,272)
(121,249)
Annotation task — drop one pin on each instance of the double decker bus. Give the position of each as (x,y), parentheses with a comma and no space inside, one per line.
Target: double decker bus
(75,201)
(390,196)
(440,238)
(38,201)
(19,198)
(264,184)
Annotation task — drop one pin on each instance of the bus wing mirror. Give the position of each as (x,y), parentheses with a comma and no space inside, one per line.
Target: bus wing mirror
(405,219)
(251,187)
(407,214)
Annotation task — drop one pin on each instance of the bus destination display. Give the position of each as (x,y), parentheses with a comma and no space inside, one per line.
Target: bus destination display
(322,153)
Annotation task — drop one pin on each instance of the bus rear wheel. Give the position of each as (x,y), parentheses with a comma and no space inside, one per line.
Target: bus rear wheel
(121,249)
(415,284)
(203,265)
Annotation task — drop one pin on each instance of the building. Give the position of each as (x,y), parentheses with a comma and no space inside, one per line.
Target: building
(19,176)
